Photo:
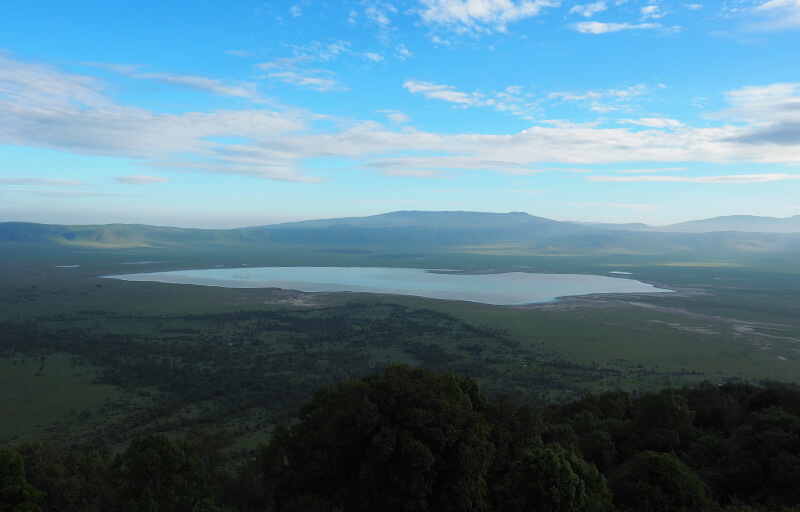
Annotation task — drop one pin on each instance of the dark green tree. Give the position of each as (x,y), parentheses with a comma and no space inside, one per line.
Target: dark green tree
(763,458)
(406,440)
(77,480)
(658,482)
(544,479)
(16,494)
(155,474)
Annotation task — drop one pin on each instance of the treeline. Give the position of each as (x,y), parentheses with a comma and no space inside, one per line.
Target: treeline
(409,440)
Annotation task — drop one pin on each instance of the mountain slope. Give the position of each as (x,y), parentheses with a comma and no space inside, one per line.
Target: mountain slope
(743,223)
(404,232)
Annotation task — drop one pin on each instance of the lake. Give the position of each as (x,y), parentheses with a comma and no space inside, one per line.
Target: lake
(509,288)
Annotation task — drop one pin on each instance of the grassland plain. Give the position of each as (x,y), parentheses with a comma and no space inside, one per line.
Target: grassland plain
(106,359)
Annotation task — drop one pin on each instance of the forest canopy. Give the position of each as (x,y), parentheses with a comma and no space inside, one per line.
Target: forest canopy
(411,440)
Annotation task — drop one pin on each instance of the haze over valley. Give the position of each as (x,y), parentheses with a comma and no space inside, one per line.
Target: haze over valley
(400,255)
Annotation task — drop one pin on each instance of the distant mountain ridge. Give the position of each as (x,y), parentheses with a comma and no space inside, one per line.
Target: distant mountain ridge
(423,231)
(741,223)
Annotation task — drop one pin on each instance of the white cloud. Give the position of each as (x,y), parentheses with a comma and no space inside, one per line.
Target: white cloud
(325,51)
(606,100)
(296,11)
(401,52)
(645,171)
(777,15)
(417,173)
(653,122)
(294,70)
(652,12)
(631,206)
(36,84)
(309,79)
(772,110)
(396,116)
(239,53)
(140,180)
(481,15)
(589,10)
(442,92)
(67,193)
(733,178)
(41,182)
(374,57)
(43,107)
(240,89)
(596,27)
(388,201)
(378,12)
(511,100)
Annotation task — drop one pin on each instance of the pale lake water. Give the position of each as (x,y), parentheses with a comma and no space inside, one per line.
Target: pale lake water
(509,288)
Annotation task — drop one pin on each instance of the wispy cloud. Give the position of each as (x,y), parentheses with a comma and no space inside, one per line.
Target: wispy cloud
(296,70)
(733,178)
(140,180)
(316,79)
(606,100)
(401,52)
(653,122)
(481,15)
(442,92)
(240,89)
(388,201)
(511,100)
(41,182)
(652,12)
(630,206)
(378,12)
(418,173)
(776,15)
(239,53)
(645,171)
(396,116)
(43,107)
(772,110)
(589,10)
(596,27)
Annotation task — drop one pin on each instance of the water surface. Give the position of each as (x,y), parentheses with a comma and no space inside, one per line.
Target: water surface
(510,288)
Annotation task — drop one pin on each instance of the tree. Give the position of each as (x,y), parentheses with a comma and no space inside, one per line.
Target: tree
(657,482)
(77,480)
(663,420)
(403,441)
(156,475)
(16,494)
(552,479)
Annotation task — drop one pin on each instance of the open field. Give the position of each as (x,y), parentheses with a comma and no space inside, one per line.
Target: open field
(163,358)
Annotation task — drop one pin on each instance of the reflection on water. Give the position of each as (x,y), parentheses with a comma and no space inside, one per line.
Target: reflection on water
(510,288)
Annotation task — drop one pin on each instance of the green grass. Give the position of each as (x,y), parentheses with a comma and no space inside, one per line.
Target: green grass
(726,322)
(49,397)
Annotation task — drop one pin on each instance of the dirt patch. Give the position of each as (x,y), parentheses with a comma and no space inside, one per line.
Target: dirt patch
(295,298)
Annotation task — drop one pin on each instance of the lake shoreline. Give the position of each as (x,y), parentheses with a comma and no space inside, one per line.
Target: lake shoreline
(499,288)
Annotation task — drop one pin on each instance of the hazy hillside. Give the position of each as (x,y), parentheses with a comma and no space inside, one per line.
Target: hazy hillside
(744,223)
(510,233)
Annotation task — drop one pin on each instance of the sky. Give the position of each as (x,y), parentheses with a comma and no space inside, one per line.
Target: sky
(227,114)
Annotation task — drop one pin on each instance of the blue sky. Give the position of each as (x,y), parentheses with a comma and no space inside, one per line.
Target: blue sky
(227,114)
